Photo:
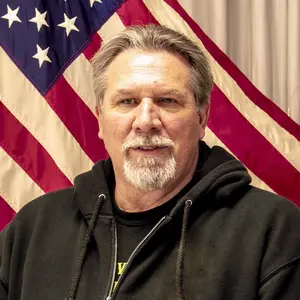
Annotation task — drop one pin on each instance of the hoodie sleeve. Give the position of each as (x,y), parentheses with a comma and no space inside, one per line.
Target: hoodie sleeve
(280,269)
(283,283)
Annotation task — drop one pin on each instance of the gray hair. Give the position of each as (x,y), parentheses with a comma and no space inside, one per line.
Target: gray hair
(152,38)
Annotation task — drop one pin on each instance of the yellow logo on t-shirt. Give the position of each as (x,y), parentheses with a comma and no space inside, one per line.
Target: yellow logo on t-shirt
(120,268)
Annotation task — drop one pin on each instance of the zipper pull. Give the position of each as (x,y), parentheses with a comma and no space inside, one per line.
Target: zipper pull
(108,298)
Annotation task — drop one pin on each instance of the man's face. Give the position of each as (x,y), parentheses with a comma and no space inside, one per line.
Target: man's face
(149,122)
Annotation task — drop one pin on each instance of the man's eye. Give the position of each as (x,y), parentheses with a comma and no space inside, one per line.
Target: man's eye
(127,101)
(167,100)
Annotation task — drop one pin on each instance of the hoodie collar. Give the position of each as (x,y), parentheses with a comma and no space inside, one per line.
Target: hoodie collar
(218,173)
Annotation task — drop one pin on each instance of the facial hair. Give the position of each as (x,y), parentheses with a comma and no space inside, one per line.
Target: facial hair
(149,172)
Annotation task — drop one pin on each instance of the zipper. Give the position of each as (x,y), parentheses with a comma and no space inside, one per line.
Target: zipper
(114,263)
(134,252)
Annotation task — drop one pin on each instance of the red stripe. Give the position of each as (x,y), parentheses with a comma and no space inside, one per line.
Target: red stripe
(134,12)
(252,148)
(6,213)
(77,117)
(93,46)
(244,83)
(28,153)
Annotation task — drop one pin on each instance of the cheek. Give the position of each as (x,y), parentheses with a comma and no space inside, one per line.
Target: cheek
(116,127)
(183,130)
(185,134)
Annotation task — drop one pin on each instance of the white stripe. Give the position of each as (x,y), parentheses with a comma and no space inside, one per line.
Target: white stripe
(79,76)
(113,26)
(282,140)
(16,187)
(33,111)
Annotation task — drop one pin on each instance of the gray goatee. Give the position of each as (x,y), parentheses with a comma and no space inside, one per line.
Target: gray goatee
(149,172)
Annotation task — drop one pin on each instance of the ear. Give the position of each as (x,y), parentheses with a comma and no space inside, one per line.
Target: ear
(97,111)
(203,119)
(98,114)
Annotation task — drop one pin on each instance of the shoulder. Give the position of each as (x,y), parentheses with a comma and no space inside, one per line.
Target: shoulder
(41,223)
(51,203)
(273,218)
(279,219)
(282,239)
(46,209)
(269,204)
(40,217)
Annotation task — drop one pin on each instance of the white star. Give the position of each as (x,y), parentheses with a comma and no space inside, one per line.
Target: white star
(39,19)
(11,16)
(41,55)
(69,24)
(93,1)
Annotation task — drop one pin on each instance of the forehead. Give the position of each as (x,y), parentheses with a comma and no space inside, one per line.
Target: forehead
(136,68)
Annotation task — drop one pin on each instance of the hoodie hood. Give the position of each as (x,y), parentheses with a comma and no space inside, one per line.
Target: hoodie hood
(219,180)
(218,174)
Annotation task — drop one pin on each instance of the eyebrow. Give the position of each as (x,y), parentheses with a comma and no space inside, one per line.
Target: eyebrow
(170,92)
(123,92)
(173,92)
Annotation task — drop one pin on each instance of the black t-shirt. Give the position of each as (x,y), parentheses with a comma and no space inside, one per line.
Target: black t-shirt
(133,227)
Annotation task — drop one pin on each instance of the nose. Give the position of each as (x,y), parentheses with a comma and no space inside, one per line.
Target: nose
(147,116)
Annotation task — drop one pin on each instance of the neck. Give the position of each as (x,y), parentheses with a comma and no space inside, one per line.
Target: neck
(130,199)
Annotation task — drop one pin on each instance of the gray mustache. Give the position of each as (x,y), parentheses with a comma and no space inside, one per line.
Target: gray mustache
(147,142)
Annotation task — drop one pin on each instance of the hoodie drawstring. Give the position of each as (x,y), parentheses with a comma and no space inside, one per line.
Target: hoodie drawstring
(180,256)
(87,238)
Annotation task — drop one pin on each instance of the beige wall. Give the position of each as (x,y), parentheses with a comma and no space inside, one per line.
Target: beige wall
(262,37)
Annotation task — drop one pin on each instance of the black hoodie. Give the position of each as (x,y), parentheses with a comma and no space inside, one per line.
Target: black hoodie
(224,239)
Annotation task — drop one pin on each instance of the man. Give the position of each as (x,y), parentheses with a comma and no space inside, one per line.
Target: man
(165,217)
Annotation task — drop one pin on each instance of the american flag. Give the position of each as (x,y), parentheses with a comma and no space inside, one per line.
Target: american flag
(48,129)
